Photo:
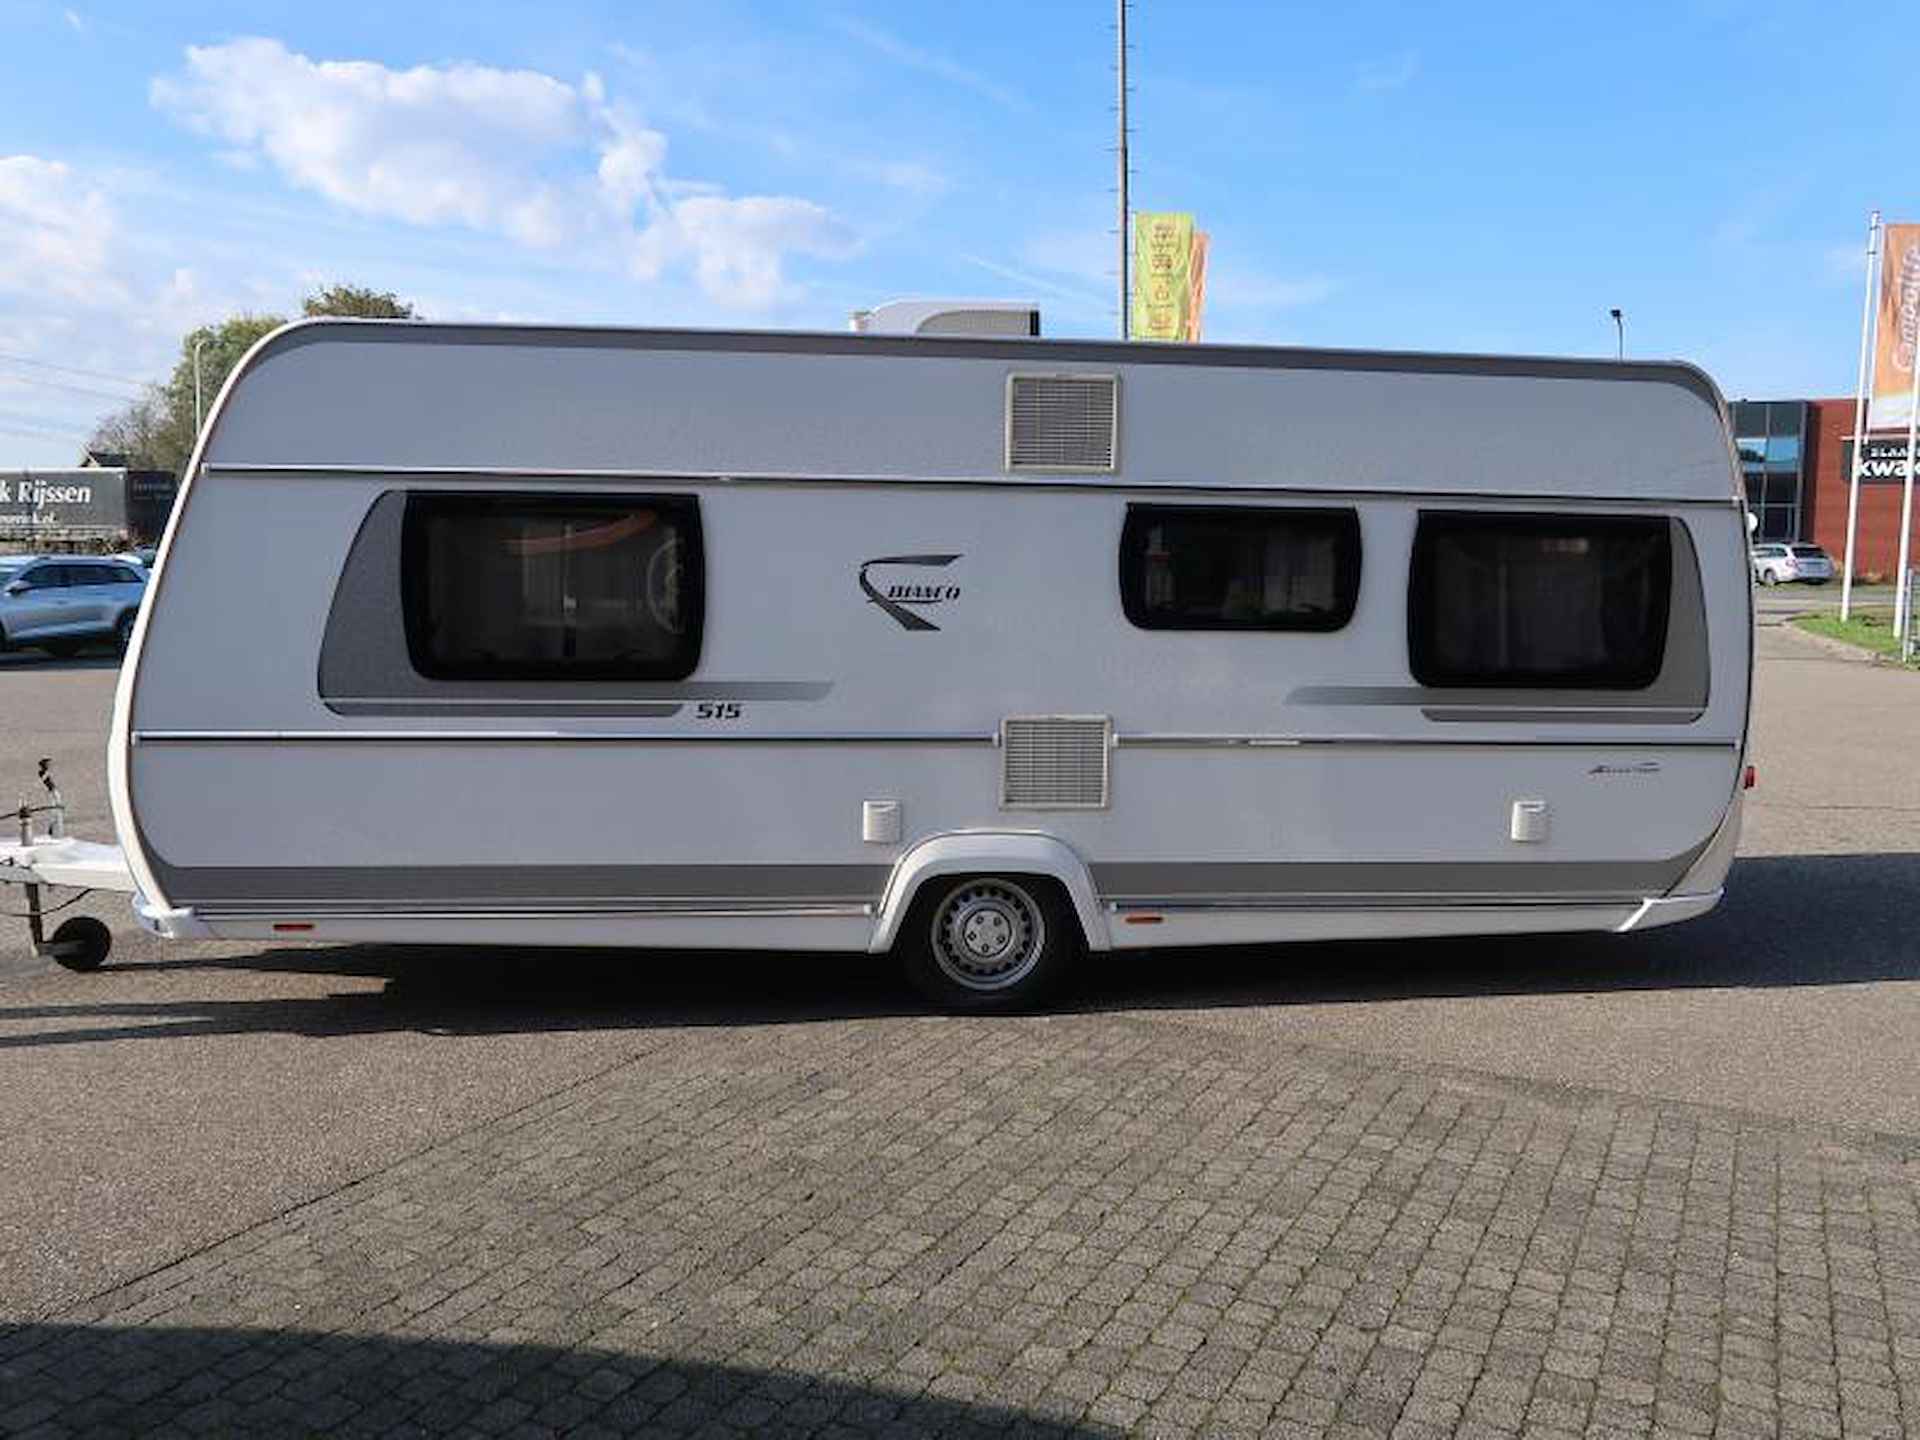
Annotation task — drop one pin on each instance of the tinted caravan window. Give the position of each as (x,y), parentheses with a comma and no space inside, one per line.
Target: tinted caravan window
(552,587)
(1540,600)
(1193,567)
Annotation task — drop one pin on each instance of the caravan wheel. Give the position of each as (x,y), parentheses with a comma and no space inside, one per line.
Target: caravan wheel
(989,942)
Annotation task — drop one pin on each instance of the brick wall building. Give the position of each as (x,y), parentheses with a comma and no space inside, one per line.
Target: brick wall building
(1797,457)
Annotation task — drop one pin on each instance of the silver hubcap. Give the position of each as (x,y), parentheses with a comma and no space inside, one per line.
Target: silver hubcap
(988,935)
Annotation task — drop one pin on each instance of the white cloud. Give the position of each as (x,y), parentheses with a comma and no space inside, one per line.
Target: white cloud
(90,306)
(550,165)
(56,232)
(1087,254)
(915,177)
(1844,262)
(736,244)
(929,62)
(1392,72)
(1228,285)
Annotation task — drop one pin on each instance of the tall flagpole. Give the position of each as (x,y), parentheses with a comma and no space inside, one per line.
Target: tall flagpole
(1120,153)
(1903,601)
(1867,313)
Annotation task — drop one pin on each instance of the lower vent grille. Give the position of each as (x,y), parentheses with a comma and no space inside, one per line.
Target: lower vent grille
(1054,762)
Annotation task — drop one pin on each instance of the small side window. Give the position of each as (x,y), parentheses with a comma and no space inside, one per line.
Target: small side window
(1574,601)
(552,587)
(1239,567)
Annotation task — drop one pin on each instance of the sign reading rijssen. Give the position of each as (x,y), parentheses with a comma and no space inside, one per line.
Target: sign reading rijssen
(47,500)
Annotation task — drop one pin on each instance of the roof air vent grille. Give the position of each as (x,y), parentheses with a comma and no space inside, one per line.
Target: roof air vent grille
(1063,422)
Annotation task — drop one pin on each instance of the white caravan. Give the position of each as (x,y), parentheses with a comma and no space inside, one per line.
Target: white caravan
(987,651)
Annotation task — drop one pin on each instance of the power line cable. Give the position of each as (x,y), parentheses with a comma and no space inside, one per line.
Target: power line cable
(63,438)
(76,370)
(32,423)
(8,380)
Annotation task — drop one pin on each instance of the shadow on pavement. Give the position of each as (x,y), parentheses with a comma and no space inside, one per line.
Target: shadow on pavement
(140,1380)
(103,657)
(1787,920)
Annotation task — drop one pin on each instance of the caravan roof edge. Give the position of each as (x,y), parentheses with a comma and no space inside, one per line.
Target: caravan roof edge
(1683,373)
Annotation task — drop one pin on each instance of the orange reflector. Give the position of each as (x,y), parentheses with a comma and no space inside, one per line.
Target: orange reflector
(1144,919)
(284,925)
(1750,779)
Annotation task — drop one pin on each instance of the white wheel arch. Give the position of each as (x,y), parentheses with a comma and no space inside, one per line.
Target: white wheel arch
(994,852)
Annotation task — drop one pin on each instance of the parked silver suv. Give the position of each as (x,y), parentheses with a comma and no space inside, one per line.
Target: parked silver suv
(62,602)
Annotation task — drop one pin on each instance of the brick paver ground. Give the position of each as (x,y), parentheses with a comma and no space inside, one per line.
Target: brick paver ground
(1086,1223)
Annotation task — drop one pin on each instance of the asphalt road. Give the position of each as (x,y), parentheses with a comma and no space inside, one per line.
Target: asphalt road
(190,1092)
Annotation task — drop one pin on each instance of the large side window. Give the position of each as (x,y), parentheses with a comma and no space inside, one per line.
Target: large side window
(1239,567)
(552,587)
(1579,601)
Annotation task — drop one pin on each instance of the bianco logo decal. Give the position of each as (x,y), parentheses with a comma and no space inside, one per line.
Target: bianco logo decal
(903,599)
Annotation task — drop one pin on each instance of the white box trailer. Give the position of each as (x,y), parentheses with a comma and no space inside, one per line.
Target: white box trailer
(990,651)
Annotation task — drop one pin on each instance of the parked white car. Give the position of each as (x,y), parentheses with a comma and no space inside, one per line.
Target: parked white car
(1774,563)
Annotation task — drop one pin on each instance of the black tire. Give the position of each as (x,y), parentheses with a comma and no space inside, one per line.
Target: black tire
(1767,577)
(123,632)
(81,944)
(979,944)
(61,649)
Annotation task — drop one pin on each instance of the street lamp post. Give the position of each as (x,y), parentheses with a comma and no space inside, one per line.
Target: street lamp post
(1620,332)
(198,341)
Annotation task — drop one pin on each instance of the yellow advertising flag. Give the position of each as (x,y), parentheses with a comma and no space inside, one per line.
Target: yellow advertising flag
(1162,275)
(1899,330)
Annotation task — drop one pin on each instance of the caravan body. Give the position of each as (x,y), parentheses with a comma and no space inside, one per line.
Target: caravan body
(542,636)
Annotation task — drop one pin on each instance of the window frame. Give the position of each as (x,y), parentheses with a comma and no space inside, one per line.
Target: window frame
(1422,613)
(683,512)
(1348,560)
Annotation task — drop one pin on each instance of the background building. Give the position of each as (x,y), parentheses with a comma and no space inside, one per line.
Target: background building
(1796,457)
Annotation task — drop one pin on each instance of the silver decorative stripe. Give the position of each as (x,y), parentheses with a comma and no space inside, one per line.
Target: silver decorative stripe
(546,737)
(611,709)
(1140,740)
(1024,482)
(1559,715)
(1256,904)
(659,691)
(1184,741)
(638,910)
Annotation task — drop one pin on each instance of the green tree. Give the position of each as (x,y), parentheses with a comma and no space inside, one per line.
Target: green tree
(358,302)
(157,431)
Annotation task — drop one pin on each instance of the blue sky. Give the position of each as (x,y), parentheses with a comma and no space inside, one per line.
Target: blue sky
(1481,178)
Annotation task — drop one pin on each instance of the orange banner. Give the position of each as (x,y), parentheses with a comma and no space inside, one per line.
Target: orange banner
(1196,286)
(1899,330)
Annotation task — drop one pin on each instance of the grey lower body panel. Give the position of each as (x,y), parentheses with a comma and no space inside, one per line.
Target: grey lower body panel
(576,889)
(1388,881)
(411,889)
